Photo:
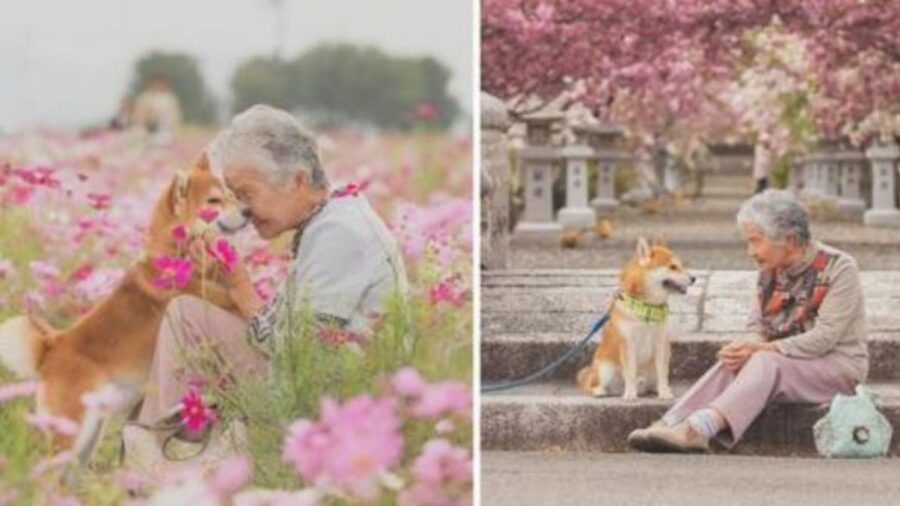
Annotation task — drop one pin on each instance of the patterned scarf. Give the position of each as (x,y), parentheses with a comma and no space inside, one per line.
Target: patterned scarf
(789,299)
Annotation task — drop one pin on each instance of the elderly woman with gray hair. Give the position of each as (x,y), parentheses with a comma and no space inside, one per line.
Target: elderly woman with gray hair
(345,262)
(810,335)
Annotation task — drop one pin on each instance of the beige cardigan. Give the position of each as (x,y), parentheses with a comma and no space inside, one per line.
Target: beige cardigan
(840,327)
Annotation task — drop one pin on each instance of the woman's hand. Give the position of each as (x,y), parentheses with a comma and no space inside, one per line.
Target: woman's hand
(237,280)
(735,354)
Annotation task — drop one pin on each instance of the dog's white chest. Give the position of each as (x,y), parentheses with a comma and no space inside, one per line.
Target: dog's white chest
(642,338)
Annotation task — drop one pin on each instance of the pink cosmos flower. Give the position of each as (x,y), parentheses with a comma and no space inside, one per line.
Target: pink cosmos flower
(179,233)
(44,271)
(260,256)
(350,448)
(263,288)
(441,399)
(38,176)
(224,253)
(441,462)
(446,290)
(99,201)
(21,194)
(407,382)
(13,390)
(443,474)
(81,273)
(195,414)
(174,272)
(208,214)
(351,188)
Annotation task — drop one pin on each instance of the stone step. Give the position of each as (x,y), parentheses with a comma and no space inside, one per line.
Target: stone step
(703,254)
(740,187)
(529,317)
(556,417)
(511,356)
(687,230)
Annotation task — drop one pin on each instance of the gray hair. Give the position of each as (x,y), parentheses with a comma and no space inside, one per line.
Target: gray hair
(778,213)
(274,142)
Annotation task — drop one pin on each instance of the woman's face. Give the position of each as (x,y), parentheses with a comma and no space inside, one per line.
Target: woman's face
(275,209)
(768,254)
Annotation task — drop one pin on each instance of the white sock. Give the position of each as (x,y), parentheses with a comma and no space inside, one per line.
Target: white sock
(704,422)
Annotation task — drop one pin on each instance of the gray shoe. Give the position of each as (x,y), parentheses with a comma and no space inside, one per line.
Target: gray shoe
(679,439)
(639,439)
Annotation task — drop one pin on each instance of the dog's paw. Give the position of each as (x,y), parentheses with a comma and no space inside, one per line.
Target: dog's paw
(665,394)
(629,396)
(598,391)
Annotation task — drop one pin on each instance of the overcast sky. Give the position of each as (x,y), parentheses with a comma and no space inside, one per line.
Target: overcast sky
(67,62)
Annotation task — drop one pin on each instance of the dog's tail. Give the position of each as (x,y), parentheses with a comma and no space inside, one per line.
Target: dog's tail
(24,341)
(586,379)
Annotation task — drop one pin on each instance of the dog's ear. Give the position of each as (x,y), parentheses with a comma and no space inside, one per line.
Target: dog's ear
(642,251)
(178,192)
(202,163)
(658,241)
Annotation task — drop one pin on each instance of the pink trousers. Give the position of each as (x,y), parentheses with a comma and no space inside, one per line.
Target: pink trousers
(196,339)
(766,377)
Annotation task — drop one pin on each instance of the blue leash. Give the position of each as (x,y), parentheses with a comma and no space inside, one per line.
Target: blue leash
(496,387)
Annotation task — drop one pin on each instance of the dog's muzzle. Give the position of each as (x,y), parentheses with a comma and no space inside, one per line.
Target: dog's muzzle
(674,286)
(234,221)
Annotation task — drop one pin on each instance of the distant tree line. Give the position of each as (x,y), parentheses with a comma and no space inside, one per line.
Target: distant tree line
(329,85)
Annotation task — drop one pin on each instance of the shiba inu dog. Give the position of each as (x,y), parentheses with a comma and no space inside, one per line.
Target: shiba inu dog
(635,345)
(113,344)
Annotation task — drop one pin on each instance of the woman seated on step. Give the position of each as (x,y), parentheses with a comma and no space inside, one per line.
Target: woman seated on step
(810,326)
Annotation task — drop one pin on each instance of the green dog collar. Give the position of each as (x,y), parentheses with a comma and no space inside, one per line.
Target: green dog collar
(654,314)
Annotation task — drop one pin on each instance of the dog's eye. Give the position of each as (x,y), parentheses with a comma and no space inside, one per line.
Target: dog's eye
(214,201)
(673,267)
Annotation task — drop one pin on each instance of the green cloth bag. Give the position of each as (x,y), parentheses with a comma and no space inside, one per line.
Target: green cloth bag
(853,428)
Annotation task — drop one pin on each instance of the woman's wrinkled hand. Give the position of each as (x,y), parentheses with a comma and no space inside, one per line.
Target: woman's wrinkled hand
(736,353)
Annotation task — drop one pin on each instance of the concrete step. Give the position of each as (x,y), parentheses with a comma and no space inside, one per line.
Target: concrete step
(529,317)
(703,254)
(556,417)
(510,356)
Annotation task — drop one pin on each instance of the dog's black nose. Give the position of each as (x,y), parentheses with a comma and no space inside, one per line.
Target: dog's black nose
(693,278)
(246,213)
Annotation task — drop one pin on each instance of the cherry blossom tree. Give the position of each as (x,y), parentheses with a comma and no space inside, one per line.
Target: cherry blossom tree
(653,63)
